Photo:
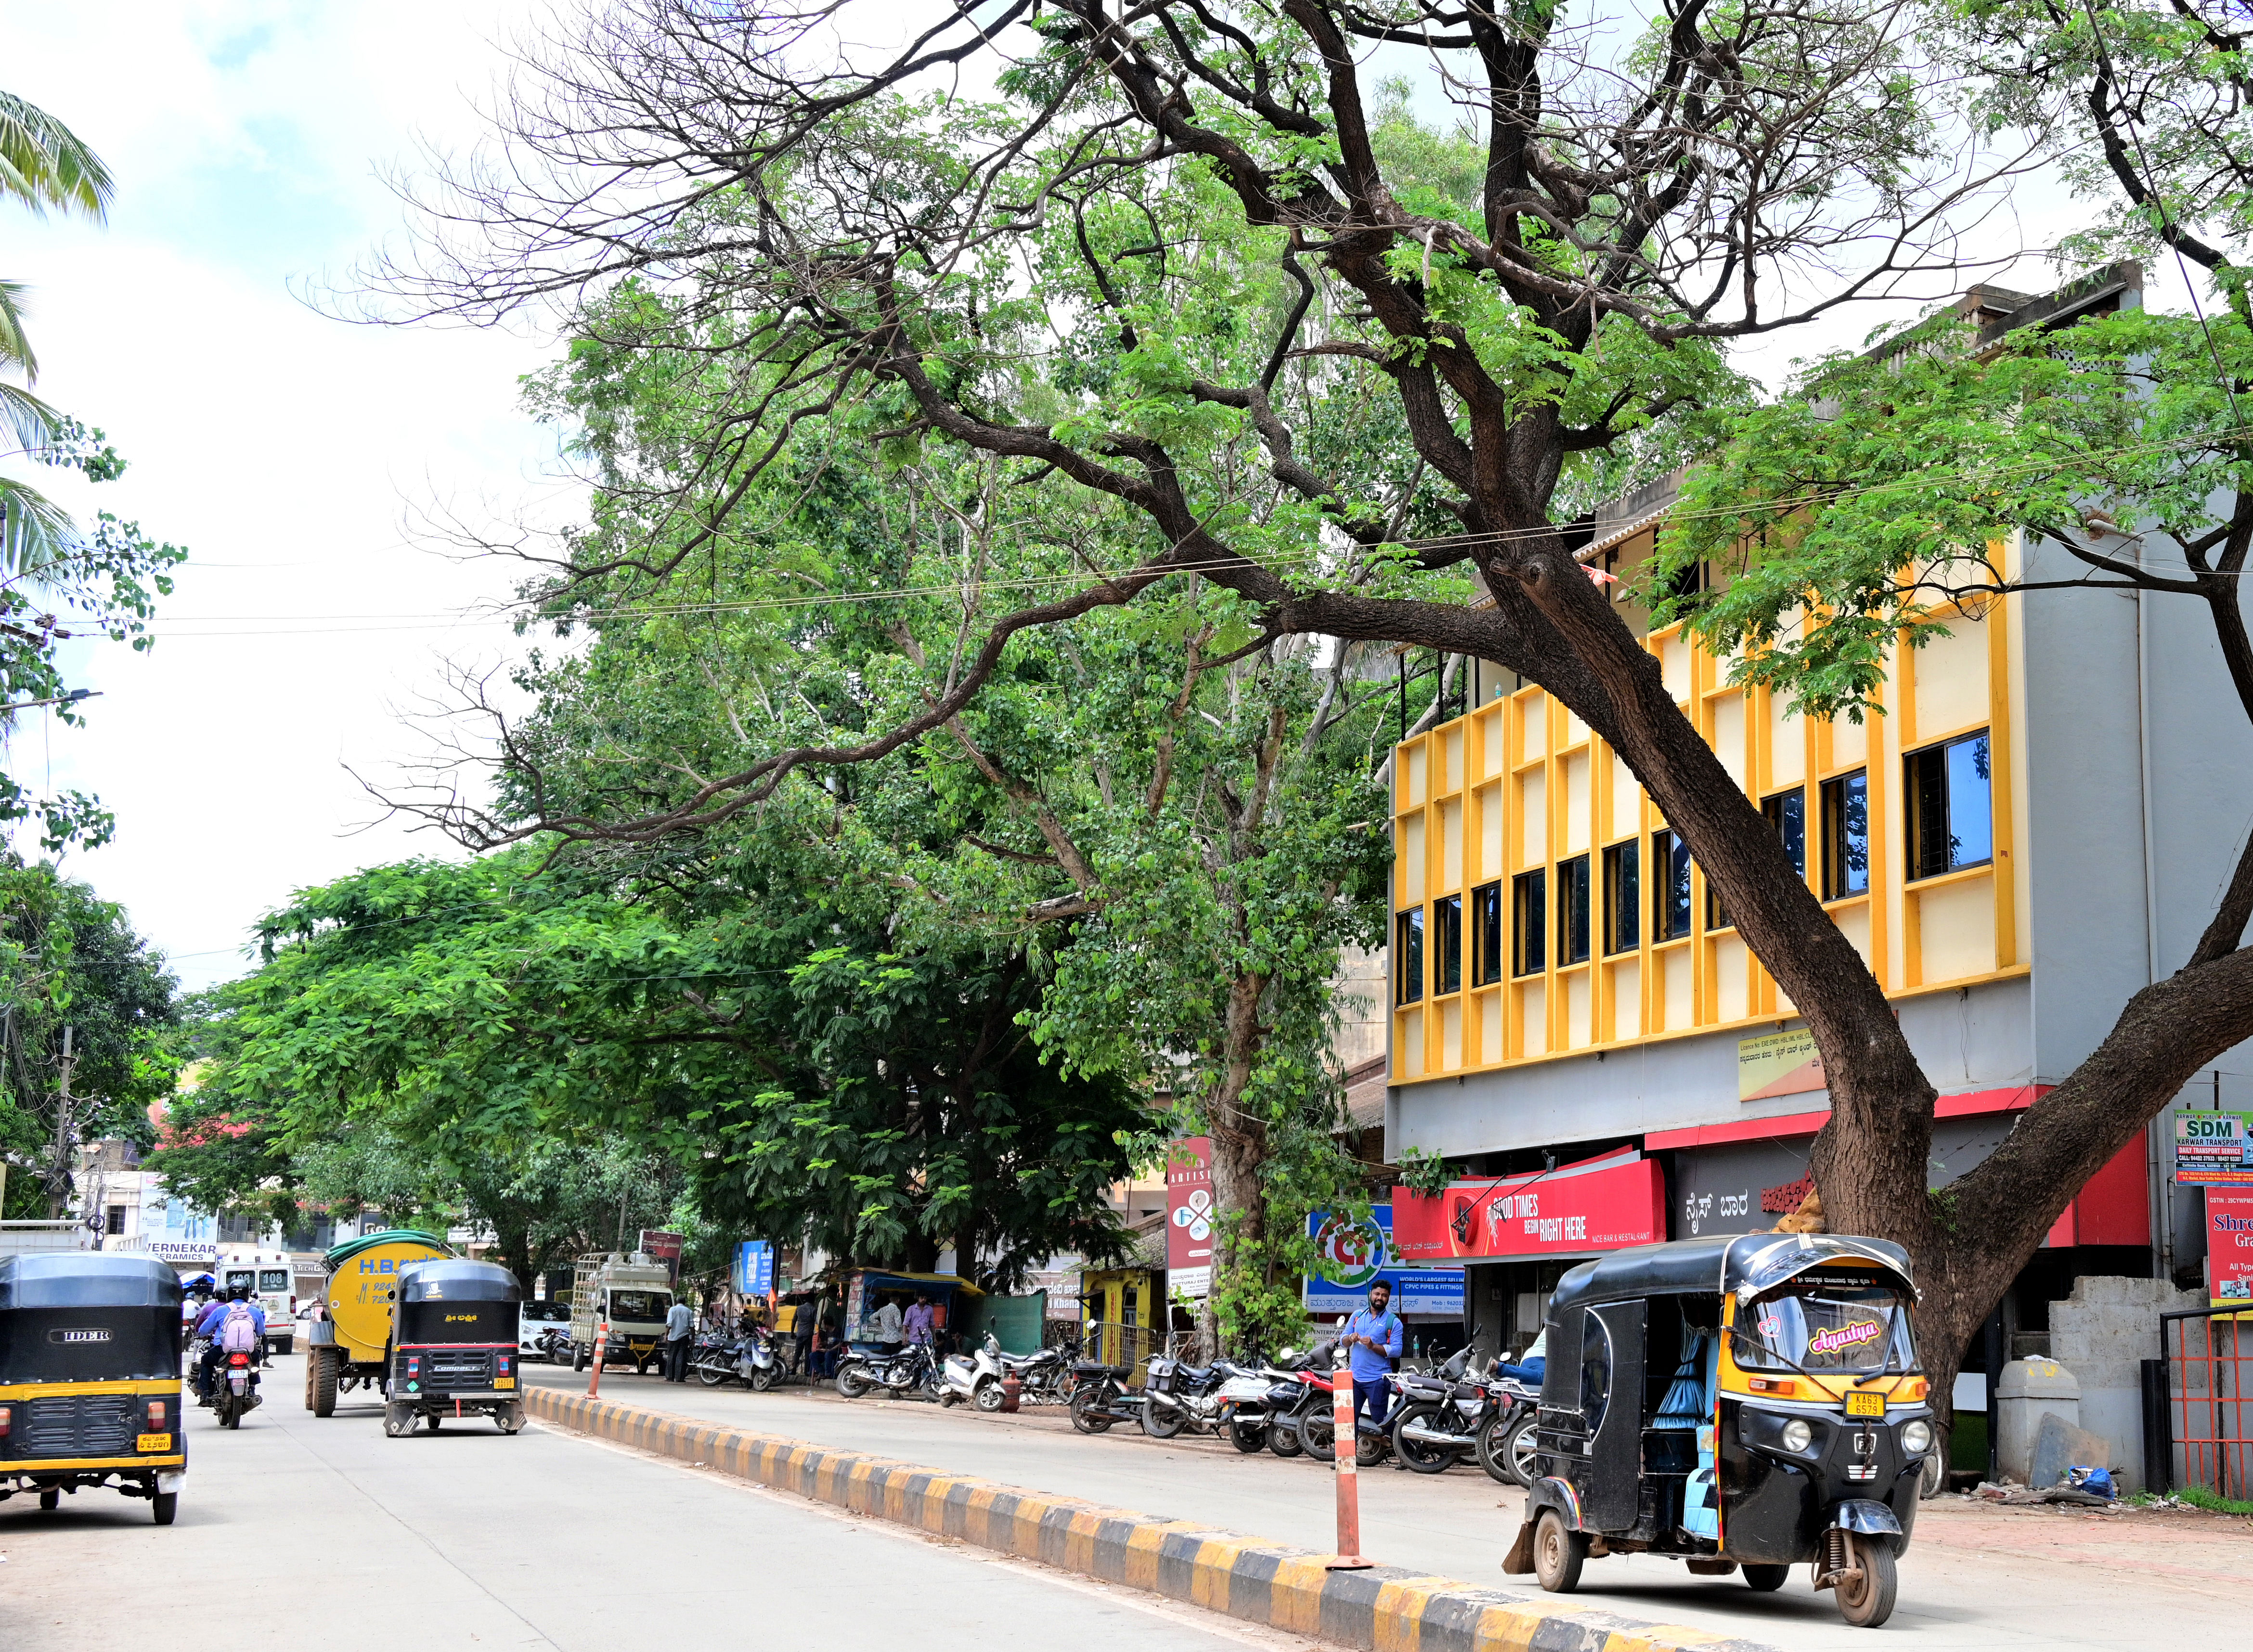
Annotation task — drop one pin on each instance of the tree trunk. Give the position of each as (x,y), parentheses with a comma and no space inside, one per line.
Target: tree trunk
(1240,1147)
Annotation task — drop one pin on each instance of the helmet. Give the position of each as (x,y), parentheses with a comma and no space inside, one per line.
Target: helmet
(238,1293)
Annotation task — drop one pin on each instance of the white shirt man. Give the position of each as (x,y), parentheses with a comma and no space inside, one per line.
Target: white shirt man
(885,1325)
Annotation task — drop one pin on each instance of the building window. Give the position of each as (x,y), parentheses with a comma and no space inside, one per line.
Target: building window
(1622,897)
(1787,815)
(1408,956)
(1486,934)
(1846,835)
(116,1219)
(1529,922)
(1572,911)
(1717,916)
(1669,887)
(1446,946)
(1952,801)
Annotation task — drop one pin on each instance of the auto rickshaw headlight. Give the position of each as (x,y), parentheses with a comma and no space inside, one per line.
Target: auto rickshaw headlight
(1795,1435)
(1916,1437)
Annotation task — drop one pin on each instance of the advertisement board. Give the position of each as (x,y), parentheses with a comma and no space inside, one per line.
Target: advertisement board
(1189,1218)
(2213,1150)
(2230,1249)
(1357,1255)
(755,1268)
(1545,1213)
(1785,1063)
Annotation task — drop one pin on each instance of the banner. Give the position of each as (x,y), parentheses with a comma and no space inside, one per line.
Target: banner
(2213,1150)
(1189,1218)
(755,1268)
(1785,1063)
(1545,1213)
(1358,1255)
(2230,1249)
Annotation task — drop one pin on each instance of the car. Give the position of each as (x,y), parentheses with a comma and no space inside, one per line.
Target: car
(532,1320)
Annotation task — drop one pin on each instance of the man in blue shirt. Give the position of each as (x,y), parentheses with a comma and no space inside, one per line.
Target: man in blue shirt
(214,1316)
(1375,1337)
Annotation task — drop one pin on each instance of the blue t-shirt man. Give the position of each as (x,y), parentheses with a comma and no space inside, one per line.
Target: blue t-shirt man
(1374,1338)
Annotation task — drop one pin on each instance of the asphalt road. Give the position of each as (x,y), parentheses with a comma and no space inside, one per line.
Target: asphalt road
(1976,1577)
(295,1532)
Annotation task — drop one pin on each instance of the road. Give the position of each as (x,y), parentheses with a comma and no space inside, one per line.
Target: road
(1977,1577)
(294,1532)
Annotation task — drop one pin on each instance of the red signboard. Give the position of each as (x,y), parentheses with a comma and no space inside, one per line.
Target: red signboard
(1535,1214)
(1190,1216)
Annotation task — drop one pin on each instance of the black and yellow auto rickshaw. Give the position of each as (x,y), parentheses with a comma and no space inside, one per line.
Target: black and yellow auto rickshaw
(453,1347)
(1740,1402)
(90,1377)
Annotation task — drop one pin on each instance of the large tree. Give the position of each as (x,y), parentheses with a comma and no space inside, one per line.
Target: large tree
(1181,248)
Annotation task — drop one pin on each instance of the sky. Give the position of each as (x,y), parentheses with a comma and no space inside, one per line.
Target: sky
(292,453)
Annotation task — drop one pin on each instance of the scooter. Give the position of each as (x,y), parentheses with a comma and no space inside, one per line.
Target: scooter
(751,1359)
(966,1376)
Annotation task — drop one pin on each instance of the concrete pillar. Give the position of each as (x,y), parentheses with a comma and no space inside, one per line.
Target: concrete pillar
(2027,1391)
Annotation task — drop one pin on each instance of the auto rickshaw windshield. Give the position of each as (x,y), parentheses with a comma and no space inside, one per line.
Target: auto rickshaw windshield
(1827,1321)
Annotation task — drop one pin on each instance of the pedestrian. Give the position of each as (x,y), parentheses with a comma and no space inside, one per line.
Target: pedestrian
(886,1328)
(679,1324)
(1373,1337)
(921,1319)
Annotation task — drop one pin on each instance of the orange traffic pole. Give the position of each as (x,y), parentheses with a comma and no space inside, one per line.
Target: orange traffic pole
(601,1341)
(1345,1448)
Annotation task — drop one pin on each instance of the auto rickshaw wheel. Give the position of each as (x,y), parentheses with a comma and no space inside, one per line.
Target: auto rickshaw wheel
(164,1505)
(51,1497)
(430,1421)
(1764,1580)
(1867,1601)
(1557,1551)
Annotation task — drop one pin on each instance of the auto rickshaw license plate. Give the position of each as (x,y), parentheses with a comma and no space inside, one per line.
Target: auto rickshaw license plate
(1865,1404)
(510,1382)
(154,1442)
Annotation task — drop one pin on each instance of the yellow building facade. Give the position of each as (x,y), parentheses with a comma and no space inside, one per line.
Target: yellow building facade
(1543,909)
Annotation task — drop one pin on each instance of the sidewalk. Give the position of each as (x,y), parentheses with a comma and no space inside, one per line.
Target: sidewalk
(1977,1576)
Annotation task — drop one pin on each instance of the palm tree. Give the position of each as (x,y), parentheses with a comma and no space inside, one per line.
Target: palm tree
(43,164)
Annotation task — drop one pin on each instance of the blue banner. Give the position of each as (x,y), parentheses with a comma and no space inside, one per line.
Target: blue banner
(755,1268)
(1357,1255)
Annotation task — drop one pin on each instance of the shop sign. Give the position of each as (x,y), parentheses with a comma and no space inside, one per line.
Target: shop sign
(1357,1255)
(1785,1063)
(1189,1217)
(2230,1249)
(755,1268)
(203,1251)
(1540,1214)
(2213,1150)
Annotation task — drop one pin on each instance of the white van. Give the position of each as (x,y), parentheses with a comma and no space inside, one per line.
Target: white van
(274,1282)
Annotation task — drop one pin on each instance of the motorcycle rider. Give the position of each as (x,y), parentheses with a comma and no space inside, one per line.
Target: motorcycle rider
(213,1318)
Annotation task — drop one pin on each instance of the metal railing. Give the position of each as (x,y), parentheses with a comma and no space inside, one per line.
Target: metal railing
(2197,1404)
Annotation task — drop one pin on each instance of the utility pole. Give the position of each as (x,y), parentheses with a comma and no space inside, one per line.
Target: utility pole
(59,1181)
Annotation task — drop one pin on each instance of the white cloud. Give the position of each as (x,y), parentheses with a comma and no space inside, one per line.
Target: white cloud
(284,449)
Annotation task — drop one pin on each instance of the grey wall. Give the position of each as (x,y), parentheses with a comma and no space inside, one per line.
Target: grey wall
(1974,1040)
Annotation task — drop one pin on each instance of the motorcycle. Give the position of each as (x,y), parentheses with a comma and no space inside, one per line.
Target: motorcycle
(1223,1398)
(1509,1443)
(1316,1431)
(750,1358)
(1436,1419)
(236,1390)
(1101,1396)
(910,1371)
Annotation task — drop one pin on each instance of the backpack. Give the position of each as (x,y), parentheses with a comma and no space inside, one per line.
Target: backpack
(237,1332)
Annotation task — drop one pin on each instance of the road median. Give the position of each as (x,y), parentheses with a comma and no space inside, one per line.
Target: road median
(1385,1609)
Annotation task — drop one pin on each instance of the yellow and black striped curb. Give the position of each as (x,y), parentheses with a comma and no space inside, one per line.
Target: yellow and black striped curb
(1386,1608)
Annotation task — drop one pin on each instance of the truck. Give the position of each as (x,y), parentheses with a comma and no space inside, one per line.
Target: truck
(633,1293)
(348,1346)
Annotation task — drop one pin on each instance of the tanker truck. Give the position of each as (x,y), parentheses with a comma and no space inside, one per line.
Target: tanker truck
(347,1344)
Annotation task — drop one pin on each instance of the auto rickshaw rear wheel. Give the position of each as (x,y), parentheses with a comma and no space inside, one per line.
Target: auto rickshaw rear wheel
(431,1422)
(166,1505)
(51,1497)
(1557,1551)
(1867,1601)
(1764,1579)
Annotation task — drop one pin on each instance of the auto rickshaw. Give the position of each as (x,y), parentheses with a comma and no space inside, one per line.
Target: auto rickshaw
(453,1347)
(90,1377)
(1741,1402)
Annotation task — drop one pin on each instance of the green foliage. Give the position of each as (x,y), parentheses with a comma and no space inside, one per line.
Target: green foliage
(68,959)
(1885,493)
